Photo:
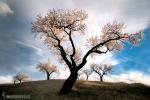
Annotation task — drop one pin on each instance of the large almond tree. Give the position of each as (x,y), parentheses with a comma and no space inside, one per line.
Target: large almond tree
(57,29)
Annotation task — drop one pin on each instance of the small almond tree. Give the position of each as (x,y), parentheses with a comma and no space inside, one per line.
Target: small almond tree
(20,77)
(101,70)
(87,72)
(48,68)
(79,74)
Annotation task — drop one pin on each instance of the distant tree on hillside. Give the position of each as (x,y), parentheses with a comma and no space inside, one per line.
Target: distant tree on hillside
(20,77)
(87,72)
(58,29)
(101,70)
(48,68)
(79,74)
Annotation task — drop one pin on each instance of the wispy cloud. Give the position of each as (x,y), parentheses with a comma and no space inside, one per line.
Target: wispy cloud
(38,50)
(5,9)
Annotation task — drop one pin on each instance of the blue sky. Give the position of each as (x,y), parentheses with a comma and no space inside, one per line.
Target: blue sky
(135,58)
(20,51)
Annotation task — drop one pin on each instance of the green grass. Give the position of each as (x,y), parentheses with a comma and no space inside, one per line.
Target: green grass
(82,90)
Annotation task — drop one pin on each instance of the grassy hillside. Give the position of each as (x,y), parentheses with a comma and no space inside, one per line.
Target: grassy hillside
(83,90)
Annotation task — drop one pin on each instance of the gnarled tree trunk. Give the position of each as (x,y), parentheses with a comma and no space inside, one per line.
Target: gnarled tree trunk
(101,78)
(68,84)
(48,75)
(19,81)
(87,77)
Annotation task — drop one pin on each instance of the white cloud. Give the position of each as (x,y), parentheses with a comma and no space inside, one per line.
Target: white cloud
(6,79)
(105,59)
(5,9)
(63,73)
(130,77)
(135,14)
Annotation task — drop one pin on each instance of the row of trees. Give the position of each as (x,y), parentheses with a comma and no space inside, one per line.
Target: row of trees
(46,67)
(99,69)
(49,68)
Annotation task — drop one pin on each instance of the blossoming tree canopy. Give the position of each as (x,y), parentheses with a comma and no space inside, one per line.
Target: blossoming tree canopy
(59,26)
